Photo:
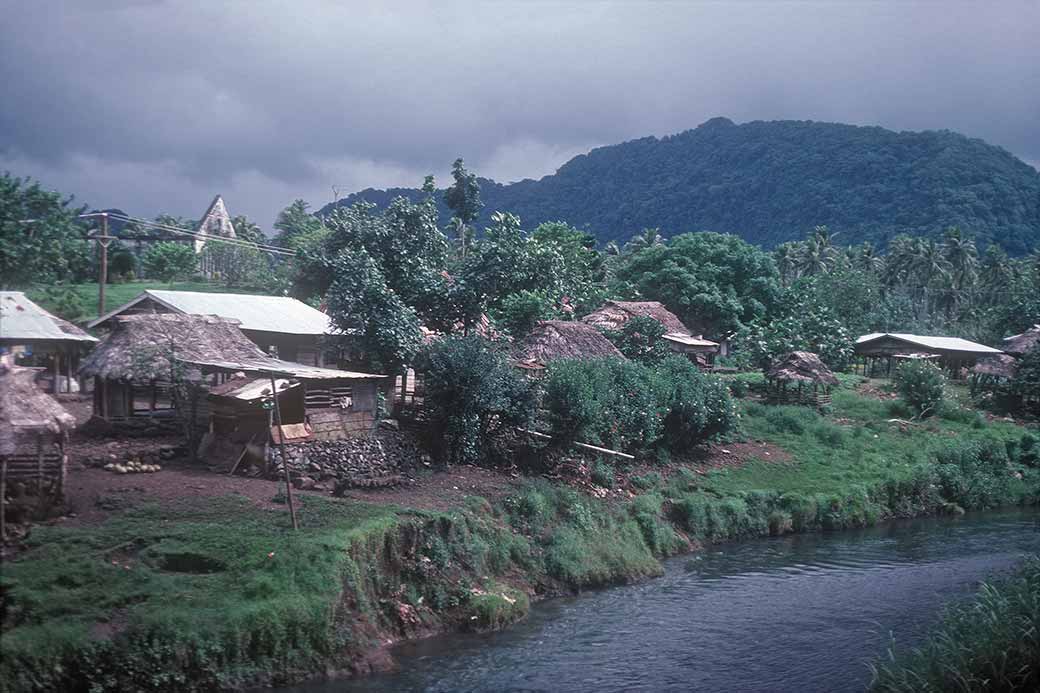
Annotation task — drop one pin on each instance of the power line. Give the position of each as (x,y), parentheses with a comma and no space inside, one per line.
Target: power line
(238,242)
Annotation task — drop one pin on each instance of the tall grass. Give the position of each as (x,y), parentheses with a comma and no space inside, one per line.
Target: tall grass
(991,643)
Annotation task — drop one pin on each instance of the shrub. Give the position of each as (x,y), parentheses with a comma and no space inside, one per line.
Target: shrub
(168,261)
(519,312)
(698,405)
(607,401)
(602,474)
(473,395)
(645,482)
(921,385)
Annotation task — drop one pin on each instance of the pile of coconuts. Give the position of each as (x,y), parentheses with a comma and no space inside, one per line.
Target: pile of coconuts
(132,467)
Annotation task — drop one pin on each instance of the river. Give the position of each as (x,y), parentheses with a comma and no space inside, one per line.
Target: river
(799,613)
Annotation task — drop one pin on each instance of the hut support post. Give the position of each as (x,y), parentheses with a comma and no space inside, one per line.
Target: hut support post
(3,501)
(281,451)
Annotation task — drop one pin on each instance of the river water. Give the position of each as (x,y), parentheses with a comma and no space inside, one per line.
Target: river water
(799,613)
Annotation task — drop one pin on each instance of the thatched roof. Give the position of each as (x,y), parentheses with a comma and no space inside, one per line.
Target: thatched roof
(557,339)
(1000,366)
(140,346)
(1020,344)
(25,411)
(614,314)
(802,367)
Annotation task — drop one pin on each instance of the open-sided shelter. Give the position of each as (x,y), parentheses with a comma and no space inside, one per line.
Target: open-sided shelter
(290,327)
(33,432)
(36,337)
(877,352)
(801,377)
(553,340)
(614,314)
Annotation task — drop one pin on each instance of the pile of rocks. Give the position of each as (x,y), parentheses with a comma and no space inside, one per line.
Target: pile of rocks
(338,465)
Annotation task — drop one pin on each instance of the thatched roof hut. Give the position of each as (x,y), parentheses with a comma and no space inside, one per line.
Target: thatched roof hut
(614,314)
(140,346)
(1021,344)
(802,367)
(1000,366)
(551,340)
(25,412)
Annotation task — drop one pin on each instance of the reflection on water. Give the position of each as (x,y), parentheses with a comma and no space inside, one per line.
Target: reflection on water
(800,613)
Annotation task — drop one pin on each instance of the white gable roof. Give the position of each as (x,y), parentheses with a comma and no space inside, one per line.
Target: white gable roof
(257,313)
(938,343)
(20,318)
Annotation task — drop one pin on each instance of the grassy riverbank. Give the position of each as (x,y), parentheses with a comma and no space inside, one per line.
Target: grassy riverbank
(223,594)
(990,643)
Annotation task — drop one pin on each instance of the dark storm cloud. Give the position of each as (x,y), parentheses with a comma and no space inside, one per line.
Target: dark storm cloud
(153,106)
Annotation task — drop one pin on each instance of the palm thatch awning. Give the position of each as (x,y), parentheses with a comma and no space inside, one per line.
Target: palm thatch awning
(1000,366)
(802,367)
(141,347)
(25,412)
(551,340)
(614,314)
(1021,344)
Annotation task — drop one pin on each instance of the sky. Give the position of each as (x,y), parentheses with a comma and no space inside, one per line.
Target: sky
(154,107)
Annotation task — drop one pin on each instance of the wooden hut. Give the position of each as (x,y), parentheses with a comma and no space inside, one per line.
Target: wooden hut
(1021,344)
(35,337)
(615,314)
(33,432)
(801,377)
(878,352)
(553,340)
(991,372)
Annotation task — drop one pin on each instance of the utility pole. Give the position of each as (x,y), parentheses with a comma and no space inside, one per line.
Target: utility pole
(281,449)
(103,241)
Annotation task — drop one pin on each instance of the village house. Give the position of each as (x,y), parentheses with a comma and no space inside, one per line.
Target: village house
(137,364)
(35,337)
(33,432)
(281,326)
(878,352)
(800,377)
(552,340)
(614,314)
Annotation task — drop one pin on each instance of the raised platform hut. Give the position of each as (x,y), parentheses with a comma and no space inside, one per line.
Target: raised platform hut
(33,432)
(801,377)
(613,316)
(879,353)
(553,340)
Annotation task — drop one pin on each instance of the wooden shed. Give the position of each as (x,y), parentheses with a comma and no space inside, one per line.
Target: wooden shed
(36,337)
(33,432)
(879,351)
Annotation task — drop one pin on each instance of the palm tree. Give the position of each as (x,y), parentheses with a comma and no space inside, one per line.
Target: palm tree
(962,259)
(788,258)
(865,258)
(818,253)
(647,238)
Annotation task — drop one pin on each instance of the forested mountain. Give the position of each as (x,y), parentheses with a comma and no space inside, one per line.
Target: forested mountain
(772,182)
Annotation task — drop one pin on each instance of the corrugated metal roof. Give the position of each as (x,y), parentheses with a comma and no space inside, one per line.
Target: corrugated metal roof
(20,318)
(249,389)
(690,341)
(260,313)
(938,343)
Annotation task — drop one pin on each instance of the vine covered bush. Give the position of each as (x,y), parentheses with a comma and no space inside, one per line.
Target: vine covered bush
(922,386)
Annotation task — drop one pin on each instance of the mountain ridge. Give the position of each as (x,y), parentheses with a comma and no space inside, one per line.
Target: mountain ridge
(772,181)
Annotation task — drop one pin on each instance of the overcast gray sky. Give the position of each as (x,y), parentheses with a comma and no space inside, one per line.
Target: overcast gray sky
(155,106)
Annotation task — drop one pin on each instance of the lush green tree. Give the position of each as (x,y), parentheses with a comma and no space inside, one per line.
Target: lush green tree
(296,226)
(583,270)
(474,395)
(640,339)
(463,198)
(714,282)
(41,239)
(519,312)
(168,261)
(362,304)
(698,405)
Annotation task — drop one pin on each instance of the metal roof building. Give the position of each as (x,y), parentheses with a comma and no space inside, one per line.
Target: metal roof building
(953,352)
(290,327)
(37,337)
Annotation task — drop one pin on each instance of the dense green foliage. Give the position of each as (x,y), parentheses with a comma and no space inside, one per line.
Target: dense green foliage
(474,394)
(772,182)
(922,386)
(40,238)
(633,407)
(169,261)
(990,643)
(639,339)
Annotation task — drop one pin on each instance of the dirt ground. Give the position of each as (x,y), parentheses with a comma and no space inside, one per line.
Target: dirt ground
(94,493)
